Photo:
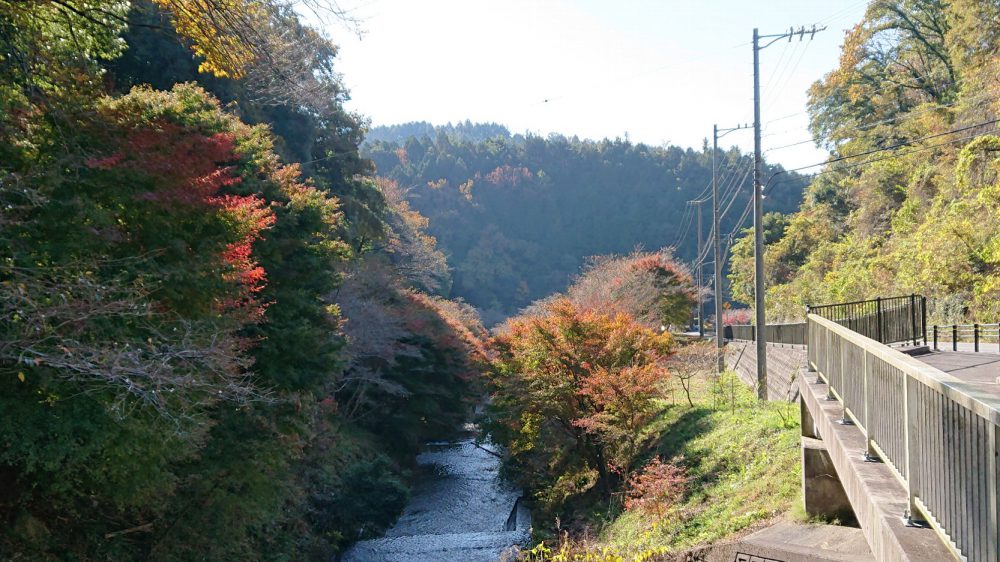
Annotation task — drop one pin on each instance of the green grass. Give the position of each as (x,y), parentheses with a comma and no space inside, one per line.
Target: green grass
(742,458)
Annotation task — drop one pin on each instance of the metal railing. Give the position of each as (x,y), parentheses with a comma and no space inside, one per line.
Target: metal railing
(885,320)
(975,337)
(794,334)
(938,434)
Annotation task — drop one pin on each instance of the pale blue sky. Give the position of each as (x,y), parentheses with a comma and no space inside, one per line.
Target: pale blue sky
(659,71)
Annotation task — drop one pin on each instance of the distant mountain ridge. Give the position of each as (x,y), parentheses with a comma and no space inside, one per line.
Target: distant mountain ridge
(461,131)
(518,215)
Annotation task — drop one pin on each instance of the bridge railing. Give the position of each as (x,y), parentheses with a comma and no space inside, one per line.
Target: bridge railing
(983,337)
(776,333)
(886,320)
(938,434)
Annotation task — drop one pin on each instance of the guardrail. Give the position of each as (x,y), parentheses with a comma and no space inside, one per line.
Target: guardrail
(938,434)
(794,334)
(886,320)
(981,336)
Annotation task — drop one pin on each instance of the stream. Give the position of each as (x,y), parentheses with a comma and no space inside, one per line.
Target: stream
(461,510)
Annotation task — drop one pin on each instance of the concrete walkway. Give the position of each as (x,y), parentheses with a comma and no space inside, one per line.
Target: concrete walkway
(979,369)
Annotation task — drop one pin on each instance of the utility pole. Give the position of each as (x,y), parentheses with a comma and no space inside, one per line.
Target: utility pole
(758,203)
(699,265)
(717,285)
(699,280)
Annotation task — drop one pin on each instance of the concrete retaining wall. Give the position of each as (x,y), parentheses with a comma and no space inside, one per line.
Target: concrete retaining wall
(785,363)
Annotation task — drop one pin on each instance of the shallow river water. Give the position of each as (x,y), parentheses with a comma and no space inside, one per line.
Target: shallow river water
(461,510)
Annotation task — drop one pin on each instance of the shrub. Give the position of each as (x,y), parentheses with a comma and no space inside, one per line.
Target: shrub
(656,488)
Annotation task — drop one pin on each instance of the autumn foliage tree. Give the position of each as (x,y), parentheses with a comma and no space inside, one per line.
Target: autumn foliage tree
(656,488)
(411,353)
(176,376)
(161,260)
(653,287)
(572,389)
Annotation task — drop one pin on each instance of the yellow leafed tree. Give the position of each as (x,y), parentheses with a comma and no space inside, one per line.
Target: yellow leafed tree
(225,33)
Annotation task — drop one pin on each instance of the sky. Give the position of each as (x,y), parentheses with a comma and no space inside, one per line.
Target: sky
(653,71)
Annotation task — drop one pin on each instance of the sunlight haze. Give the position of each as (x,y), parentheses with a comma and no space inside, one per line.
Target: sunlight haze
(656,72)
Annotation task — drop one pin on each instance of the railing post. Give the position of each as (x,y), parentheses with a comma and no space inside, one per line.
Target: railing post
(923,318)
(975,337)
(870,454)
(913,318)
(991,490)
(909,431)
(954,337)
(935,337)
(824,348)
(878,319)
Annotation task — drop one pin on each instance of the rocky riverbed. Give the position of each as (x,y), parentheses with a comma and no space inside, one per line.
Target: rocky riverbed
(461,510)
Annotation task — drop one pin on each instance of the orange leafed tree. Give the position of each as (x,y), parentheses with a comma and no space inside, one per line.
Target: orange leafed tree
(653,287)
(572,390)
(656,488)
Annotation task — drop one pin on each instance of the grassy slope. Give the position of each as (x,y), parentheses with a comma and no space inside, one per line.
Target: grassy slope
(742,459)
(743,463)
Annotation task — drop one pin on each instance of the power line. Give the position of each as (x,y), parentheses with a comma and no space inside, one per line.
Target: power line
(688,217)
(777,67)
(862,127)
(893,147)
(733,185)
(737,228)
(728,177)
(684,228)
(908,152)
(688,225)
(865,126)
(842,13)
(795,67)
(784,146)
(784,76)
(735,192)
(783,117)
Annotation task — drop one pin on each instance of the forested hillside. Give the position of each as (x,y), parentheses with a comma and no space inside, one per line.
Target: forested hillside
(209,351)
(465,130)
(910,201)
(518,215)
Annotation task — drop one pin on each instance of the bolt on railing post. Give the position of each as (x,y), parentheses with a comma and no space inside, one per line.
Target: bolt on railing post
(975,337)
(954,337)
